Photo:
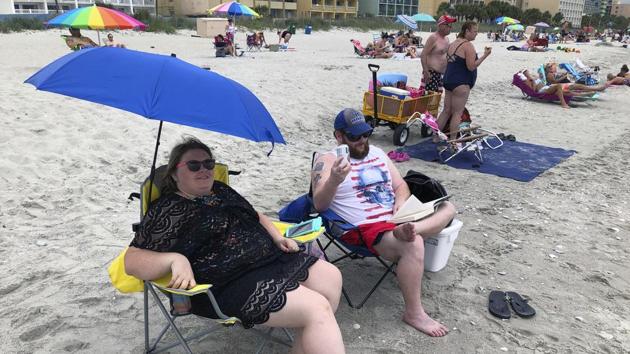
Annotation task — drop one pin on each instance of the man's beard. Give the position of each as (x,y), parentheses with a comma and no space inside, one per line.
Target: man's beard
(359,154)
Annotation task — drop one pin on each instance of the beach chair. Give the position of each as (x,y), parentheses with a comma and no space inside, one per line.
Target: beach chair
(178,298)
(302,209)
(252,43)
(470,137)
(581,77)
(529,93)
(360,51)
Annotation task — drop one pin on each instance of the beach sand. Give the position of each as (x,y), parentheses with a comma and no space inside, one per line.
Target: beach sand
(563,239)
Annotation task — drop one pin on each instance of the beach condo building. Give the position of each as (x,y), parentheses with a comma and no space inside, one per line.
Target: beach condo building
(198,8)
(49,6)
(328,9)
(620,9)
(430,7)
(592,7)
(572,10)
(388,8)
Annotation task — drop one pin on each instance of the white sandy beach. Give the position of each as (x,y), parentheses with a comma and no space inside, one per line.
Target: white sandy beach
(563,240)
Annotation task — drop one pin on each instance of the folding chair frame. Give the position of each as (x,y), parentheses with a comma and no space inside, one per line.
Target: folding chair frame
(152,347)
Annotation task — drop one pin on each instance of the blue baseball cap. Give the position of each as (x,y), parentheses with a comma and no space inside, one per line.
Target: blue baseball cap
(352,121)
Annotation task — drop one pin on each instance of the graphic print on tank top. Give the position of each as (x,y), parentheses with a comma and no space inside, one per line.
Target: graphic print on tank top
(373,187)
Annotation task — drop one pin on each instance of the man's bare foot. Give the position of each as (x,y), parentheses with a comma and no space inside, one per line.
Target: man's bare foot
(426,325)
(405,232)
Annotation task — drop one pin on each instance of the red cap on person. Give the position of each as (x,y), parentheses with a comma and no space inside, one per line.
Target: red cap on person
(446,19)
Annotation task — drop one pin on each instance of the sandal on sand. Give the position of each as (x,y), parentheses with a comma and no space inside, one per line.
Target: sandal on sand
(498,305)
(520,305)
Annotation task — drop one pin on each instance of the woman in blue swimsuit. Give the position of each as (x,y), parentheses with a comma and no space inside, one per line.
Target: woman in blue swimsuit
(460,76)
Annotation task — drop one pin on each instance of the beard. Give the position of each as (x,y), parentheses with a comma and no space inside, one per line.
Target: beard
(358,152)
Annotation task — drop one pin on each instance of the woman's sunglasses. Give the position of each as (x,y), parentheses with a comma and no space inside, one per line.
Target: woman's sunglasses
(194,165)
(355,138)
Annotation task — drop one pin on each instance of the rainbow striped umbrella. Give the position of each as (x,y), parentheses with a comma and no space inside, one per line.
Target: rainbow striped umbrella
(96,18)
(233,8)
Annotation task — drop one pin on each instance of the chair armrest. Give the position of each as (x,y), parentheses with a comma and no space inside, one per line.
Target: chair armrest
(162,284)
(334,218)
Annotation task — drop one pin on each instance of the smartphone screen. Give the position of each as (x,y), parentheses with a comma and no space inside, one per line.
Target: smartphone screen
(298,230)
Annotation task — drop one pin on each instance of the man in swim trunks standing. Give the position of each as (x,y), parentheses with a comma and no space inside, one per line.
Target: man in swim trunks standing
(433,57)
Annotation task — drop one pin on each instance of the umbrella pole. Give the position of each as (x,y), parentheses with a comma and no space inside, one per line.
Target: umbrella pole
(98,34)
(152,175)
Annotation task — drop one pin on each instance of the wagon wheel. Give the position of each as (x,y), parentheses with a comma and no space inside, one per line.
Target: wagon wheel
(371,121)
(425,131)
(401,134)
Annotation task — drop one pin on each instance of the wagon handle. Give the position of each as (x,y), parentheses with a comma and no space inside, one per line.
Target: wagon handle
(374,68)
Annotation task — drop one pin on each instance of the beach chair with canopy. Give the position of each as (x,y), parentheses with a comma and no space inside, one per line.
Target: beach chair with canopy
(178,298)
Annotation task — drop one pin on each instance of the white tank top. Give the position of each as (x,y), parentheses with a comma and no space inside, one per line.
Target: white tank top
(367,194)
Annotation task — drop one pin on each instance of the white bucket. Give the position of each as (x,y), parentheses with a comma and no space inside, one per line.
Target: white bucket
(438,248)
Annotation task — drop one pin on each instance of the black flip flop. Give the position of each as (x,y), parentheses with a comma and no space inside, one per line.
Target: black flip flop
(498,305)
(520,305)
(510,137)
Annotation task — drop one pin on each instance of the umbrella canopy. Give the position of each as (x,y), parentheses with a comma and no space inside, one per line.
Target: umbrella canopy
(96,18)
(407,21)
(516,27)
(504,20)
(233,8)
(422,17)
(541,24)
(159,87)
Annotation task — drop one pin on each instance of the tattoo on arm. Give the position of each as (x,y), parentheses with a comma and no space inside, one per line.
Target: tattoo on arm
(316,179)
(318,167)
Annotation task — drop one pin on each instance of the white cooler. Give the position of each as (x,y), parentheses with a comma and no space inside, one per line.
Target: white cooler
(437,249)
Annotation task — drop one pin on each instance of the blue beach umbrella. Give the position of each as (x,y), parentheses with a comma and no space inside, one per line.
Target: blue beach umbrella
(162,88)
(516,27)
(422,17)
(407,21)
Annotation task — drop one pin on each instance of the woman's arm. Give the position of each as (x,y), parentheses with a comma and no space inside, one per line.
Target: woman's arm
(283,243)
(150,265)
(470,55)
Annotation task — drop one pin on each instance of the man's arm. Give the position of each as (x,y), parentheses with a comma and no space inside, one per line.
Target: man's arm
(424,56)
(327,174)
(401,189)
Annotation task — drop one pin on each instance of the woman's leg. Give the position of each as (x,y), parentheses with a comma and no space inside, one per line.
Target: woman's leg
(325,279)
(556,89)
(445,114)
(310,313)
(458,103)
(580,87)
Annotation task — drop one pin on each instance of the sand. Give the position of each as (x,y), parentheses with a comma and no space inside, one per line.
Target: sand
(562,239)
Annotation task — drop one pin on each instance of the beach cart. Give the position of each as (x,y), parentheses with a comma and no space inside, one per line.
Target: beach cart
(395,112)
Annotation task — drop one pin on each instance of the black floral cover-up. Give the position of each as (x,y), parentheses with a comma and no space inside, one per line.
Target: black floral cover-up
(228,248)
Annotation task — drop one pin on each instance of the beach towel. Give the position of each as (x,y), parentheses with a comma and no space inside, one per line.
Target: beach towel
(516,160)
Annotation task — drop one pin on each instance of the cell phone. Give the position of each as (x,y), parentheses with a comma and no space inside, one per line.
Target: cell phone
(304,228)
(342,150)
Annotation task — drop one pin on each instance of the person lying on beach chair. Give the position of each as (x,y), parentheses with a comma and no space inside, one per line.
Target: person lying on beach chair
(369,52)
(560,90)
(76,41)
(366,189)
(202,231)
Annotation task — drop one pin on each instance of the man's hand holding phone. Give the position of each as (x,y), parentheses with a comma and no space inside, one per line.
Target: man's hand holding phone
(341,166)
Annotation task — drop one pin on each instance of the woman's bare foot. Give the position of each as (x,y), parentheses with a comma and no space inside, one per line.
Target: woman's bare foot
(405,232)
(565,106)
(426,325)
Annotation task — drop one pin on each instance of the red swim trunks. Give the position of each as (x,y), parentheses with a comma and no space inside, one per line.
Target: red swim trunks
(368,235)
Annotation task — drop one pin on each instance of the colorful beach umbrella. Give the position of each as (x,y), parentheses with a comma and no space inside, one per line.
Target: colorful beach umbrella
(517,27)
(504,20)
(541,24)
(233,8)
(96,18)
(407,21)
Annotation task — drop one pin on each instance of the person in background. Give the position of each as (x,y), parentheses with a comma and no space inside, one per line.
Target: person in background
(77,41)
(284,37)
(460,76)
(109,42)
(433,56)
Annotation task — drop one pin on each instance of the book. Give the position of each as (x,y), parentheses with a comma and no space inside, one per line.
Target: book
(414,210)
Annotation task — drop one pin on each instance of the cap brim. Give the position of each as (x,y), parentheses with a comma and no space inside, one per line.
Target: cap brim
(358,129)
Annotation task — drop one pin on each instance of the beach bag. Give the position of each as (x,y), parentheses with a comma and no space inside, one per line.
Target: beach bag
(424,187)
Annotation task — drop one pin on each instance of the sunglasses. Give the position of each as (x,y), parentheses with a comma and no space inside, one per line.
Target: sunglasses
(194,165)
(354,138)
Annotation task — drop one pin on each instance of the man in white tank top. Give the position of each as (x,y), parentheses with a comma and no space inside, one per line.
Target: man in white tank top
(366,189)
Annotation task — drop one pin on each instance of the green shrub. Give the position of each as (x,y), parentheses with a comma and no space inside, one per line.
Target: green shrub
(18,24)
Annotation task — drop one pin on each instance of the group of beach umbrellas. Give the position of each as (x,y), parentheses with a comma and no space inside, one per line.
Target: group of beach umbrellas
(515,25)
(412,21)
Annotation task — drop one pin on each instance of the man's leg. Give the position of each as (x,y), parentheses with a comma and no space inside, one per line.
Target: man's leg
(436,222)
(410,258)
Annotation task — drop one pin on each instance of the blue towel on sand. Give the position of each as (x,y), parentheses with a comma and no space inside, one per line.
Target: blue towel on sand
(515,160)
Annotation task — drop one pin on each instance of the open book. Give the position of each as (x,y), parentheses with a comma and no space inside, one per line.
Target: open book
(414,210)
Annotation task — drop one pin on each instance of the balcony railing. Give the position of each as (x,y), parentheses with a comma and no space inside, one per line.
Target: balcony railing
(30,11)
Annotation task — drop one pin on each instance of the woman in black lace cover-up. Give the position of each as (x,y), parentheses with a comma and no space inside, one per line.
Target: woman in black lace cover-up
(203,231)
